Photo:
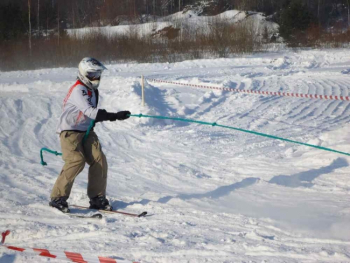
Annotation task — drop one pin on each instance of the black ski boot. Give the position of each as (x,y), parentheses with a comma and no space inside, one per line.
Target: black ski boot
(60,203)
(100,203)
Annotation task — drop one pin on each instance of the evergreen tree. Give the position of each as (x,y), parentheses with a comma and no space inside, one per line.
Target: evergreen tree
(13,21)
(294,20)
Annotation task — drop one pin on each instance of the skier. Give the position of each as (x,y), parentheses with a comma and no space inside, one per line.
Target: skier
(79,109)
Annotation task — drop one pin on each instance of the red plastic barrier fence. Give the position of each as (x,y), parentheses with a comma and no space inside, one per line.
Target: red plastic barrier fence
(64,255)
(282,94)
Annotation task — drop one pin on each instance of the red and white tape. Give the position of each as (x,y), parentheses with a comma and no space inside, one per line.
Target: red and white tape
(67,256)
(282,94)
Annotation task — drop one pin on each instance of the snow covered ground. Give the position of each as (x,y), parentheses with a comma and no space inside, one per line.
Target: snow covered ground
(215,195)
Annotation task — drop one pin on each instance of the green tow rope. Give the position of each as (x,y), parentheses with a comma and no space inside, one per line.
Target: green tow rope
(203,123)
(57,153)
(242,130)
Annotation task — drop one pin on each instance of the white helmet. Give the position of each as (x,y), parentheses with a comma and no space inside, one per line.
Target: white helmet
(90,71)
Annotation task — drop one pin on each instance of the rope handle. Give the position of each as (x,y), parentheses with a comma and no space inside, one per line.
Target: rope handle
(43,163)
(47,150)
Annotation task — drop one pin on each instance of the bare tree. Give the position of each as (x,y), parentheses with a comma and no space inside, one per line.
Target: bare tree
(58,23)
(154,7)
(318,12)
(135,8)
(30,30)
(348,2)
(73,17)
(38,17)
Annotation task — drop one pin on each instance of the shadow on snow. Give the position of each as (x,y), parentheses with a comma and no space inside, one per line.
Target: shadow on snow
(303,179)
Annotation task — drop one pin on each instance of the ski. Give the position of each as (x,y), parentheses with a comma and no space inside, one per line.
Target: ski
(95,216)
(67,212)
(143,214)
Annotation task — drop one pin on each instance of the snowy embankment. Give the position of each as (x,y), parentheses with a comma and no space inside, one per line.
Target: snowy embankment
(215,195)
(189,21)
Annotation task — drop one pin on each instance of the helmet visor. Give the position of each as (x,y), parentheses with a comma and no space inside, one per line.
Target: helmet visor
(94,75)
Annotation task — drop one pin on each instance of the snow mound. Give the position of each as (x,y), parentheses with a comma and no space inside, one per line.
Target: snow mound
(280,63)
(189,20)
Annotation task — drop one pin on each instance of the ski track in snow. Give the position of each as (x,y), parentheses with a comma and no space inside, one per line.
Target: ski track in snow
(214,195)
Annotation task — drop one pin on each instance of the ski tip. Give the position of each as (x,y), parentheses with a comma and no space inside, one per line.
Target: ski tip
(98,216)
(143,214)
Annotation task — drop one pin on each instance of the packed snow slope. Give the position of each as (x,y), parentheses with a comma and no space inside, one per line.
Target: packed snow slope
(215,195)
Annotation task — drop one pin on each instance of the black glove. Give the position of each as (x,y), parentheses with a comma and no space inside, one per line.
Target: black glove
(103,115)
(121,115)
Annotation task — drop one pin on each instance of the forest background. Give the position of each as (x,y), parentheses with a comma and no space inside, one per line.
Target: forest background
(33,33)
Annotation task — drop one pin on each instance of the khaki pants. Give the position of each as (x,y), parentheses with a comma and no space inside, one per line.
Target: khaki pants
(75,155)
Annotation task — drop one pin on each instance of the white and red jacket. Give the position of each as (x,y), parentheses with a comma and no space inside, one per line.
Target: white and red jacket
(79,108)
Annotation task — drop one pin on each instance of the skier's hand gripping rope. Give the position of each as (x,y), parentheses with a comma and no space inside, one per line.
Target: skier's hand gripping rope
(103,115)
